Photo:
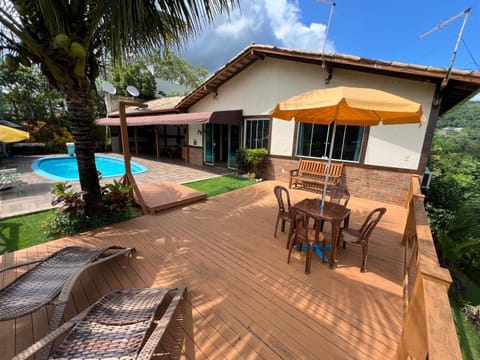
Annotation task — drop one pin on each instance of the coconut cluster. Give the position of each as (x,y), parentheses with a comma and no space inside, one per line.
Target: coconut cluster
(74,49)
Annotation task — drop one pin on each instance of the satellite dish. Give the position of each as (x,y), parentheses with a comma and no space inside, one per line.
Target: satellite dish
(109,88)
(132,90)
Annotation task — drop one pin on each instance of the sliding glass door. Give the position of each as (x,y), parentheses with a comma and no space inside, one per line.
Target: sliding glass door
(221,143)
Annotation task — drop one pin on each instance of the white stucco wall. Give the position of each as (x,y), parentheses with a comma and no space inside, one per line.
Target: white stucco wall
(195,137)
(257,89)
(393,145)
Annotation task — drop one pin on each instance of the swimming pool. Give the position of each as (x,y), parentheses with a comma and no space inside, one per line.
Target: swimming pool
(65,168)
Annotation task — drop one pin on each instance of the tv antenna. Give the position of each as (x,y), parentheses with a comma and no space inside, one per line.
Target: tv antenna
(132,90)
(465,13)
(332,7)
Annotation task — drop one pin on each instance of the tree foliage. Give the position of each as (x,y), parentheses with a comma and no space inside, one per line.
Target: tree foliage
(172,67)
(453,200)
(71,40)
(27,96)
(134,75)
(165,65)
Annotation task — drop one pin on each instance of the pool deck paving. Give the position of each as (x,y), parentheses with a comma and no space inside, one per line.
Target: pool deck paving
(34,194)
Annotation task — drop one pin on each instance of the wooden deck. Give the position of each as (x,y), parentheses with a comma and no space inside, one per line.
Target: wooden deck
(243,300)
(167,194)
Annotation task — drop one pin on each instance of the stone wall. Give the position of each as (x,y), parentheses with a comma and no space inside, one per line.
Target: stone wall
(379,185)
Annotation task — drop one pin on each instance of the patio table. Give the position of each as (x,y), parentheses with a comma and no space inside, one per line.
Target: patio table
(334,213)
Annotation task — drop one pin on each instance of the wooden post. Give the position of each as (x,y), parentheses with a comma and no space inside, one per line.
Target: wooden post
(187,145)
(135,136)
(157,143)
(165,139)
(128,177)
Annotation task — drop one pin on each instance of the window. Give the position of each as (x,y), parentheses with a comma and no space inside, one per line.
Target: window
(312,141)
(256,133)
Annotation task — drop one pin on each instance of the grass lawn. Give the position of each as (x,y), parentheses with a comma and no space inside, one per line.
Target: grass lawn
(219,185)
(23,231)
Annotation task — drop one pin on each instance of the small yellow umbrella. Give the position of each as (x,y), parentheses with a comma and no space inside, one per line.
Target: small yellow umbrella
(8,134)
(348,106)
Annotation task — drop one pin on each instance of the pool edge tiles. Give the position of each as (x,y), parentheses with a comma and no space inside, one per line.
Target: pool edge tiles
(36,167)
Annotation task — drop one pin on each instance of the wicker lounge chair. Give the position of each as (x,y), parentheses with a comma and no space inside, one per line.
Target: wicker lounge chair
(124,324)
(51,278)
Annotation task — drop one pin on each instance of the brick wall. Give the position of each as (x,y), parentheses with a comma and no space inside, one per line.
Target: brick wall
(379,185)
(195,155)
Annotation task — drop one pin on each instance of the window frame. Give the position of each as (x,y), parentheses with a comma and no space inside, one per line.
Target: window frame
(266,133)
(326,148)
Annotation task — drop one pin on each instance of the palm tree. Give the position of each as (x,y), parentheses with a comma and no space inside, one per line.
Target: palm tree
(70,40)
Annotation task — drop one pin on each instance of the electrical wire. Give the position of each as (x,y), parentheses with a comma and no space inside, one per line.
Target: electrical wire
(471,55)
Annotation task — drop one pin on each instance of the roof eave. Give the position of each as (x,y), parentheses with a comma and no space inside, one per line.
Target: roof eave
(463,84)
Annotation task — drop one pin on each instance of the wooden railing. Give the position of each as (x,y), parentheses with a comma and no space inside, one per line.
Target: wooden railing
(428,327)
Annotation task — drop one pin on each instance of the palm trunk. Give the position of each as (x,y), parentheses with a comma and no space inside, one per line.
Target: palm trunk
(79,104)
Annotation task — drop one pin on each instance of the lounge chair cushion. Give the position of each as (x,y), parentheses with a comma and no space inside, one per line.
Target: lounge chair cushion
(41,284)
(125,324)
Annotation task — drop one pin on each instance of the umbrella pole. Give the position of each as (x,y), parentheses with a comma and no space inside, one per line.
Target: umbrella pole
(329,164)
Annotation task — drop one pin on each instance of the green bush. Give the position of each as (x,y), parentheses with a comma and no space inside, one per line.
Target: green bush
(61,224)
(66,200)
(257,158)
(242,161)
(69,217)
(116,196)
(252,161)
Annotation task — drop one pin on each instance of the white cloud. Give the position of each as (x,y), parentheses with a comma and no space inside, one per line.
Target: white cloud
(271,22)
(286,24)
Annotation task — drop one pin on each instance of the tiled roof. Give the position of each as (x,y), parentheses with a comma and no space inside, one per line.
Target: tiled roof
(161,105)
(462,84)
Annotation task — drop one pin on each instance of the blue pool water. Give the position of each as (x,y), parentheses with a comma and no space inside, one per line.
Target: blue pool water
(65,168)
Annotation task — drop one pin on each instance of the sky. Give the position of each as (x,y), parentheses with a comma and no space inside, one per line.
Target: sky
(378,29)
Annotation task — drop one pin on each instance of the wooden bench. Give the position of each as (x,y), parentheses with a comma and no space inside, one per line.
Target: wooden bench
(312,173)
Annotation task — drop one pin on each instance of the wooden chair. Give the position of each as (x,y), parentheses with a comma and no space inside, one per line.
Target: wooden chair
(284,214)
(305,235)
(360,236)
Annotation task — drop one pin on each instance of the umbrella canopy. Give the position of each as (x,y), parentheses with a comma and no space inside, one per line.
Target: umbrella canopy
(8,134)
(349,106)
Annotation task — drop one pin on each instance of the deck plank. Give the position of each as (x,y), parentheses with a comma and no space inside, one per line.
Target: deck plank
(243,300)
(167,194)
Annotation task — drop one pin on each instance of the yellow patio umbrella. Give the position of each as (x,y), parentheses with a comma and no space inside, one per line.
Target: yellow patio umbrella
(348,106)
(8,134)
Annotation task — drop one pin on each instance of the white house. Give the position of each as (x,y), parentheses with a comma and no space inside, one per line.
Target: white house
(231,110)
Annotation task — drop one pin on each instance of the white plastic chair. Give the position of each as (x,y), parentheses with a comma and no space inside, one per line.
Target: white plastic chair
(10,178)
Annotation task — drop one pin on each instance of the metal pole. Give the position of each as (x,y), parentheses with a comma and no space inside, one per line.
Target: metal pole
(329,164)
(459,38)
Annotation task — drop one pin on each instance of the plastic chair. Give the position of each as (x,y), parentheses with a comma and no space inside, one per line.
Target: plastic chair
(361,236)
(337,195)
(303,234)
(284,213)
(9,178)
